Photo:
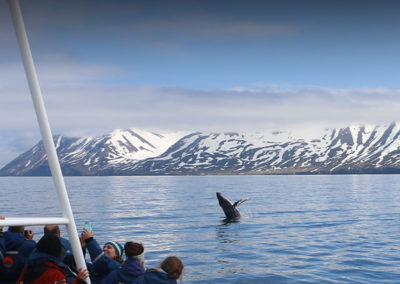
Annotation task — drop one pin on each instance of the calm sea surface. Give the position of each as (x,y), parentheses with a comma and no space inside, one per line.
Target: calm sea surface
(295,229)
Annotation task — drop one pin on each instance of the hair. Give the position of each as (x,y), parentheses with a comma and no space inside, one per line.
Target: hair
(51,229)
(51,245)
(133,249)
(16,229)
(119,258)
(173,266)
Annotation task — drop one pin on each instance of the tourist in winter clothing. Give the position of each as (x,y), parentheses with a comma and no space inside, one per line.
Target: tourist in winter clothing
(169,271)
(45,266)
(55,230)
(131,268)
(2,243)
(103,260)
(18,246)
(2,247)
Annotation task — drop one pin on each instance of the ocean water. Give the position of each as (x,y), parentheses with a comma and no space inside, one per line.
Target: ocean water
(295,229)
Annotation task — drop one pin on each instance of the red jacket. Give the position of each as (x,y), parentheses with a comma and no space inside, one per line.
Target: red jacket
(51,274)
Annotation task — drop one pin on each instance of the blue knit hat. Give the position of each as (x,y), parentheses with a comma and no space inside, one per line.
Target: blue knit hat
(119,249)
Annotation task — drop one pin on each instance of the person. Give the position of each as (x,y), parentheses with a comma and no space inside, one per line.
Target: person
(45,266)
(55,230)
(19,244)
(131,268)
(169,272)
(2,242)
(103,260)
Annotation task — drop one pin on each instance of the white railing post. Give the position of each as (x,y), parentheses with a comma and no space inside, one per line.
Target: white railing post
(47,137)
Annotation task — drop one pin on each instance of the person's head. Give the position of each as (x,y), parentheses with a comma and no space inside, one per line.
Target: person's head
(52,230)
(113,250)
(173,266)
(51,245)
(134,250)
(16,229)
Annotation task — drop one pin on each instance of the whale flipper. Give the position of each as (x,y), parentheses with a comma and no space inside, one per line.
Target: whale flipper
(240,201)
(230,209)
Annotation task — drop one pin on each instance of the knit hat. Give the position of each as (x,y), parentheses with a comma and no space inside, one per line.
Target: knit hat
(50,244)
(119,249)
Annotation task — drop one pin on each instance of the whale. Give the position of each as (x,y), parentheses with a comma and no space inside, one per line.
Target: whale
(230,210)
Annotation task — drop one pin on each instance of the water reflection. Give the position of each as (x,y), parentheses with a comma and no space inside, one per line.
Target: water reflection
(224,232)
(228,221)
(227,247)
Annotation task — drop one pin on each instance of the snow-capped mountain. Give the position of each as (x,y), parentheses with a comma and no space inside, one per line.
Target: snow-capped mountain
(355,149)
(93,155)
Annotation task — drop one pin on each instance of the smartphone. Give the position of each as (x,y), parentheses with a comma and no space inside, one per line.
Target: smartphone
(88,226)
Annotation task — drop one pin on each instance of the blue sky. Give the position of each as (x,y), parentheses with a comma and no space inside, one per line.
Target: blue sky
(200,65)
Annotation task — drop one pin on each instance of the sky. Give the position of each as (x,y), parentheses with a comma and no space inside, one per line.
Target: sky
(205,65)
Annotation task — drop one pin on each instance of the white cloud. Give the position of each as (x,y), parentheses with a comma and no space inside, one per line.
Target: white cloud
(98,107)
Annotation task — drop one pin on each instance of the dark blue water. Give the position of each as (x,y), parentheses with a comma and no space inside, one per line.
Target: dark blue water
(295,229)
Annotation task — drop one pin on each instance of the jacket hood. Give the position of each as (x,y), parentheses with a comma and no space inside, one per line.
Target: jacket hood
(37,258)
(157,276)
(133,267)
(13,240)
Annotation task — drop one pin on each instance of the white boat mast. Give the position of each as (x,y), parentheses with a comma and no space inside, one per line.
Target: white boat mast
(47,137)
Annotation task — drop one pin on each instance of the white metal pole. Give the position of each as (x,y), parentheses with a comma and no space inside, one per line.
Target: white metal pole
(47,137)
(33,221)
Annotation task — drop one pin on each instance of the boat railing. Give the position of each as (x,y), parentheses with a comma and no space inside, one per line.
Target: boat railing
(47,137)
(33,221)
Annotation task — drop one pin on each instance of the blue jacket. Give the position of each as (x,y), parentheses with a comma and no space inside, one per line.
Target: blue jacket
(102,265)
(154,277)
(18,242)
(37,258)
(2,247)
(127,273)
(17,251)
(66,245)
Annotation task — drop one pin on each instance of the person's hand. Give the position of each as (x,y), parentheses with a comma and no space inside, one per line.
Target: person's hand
(29,234)
(82,274)
(2,218)
(86,234)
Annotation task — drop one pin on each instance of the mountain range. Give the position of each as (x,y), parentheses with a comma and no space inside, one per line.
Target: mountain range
(348,150)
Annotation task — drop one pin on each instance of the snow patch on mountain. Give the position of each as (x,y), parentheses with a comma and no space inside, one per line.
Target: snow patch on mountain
(135,144)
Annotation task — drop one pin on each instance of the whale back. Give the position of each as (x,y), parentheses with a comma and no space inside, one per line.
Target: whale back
(229,209)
